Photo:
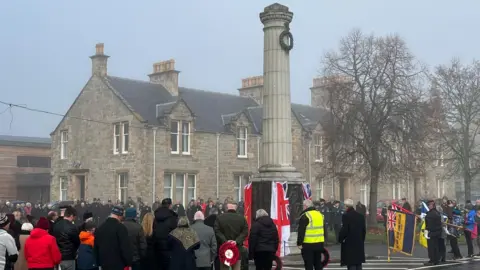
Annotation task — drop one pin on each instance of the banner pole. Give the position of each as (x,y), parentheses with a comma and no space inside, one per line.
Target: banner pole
(388,241)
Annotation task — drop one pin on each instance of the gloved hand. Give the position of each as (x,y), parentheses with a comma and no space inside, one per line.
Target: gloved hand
(425,233)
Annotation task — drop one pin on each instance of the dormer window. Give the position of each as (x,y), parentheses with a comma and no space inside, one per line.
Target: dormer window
(242,142)
(180,133)
(318,144)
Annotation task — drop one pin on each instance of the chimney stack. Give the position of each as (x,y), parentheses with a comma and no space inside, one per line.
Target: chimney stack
(164,73)
(320,90)
(252,87)
(99,61)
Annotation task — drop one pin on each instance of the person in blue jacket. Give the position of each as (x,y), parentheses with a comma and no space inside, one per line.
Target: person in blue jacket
(86,258)
(469,227)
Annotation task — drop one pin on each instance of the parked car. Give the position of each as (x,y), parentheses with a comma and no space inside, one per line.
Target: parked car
(55,205)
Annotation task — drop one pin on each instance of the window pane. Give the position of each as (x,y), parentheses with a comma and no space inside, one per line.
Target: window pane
(191,193)
(173,142)
(174,127)
(191,181)
(167,193)
(185,144)
(125,143)
(186,128)
(117,129)
(167,180)
(125,128)
(179,180)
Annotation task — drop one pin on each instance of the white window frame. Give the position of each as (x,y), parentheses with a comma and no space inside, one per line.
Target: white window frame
(125,137)
(170,186)
(238,184)
(116,138)
(318,147)
(440,157)
(318,188)
(63,186)
(63,144)
(357,158)
(122,188)
(396,153)
(243,140)
(188,187)
(177,135)
(186,134)
(185,189)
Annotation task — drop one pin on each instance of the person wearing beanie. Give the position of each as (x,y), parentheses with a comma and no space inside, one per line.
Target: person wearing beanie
(8,248)
(86,257)
(112,246)
(24,234)
(136,237)
(41,250)
(208,244)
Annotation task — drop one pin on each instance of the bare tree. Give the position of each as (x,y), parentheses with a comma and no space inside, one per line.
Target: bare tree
(457,90)
(376,105)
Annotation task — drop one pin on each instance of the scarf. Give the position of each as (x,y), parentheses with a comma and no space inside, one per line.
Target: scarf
(183,233)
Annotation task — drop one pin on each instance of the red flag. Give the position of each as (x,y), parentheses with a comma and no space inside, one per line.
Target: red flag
(247,208)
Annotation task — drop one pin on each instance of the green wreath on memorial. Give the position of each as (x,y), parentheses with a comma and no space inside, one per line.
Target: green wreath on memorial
(286,34)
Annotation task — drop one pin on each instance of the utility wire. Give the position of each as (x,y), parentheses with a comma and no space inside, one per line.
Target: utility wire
(13,105)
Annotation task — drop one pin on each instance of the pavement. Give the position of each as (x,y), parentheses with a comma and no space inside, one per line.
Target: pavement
(377,259)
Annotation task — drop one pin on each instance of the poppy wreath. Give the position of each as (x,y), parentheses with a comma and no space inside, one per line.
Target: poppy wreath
(229,253)
(326,257)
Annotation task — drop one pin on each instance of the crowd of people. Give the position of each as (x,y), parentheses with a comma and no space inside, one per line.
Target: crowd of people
(87,236)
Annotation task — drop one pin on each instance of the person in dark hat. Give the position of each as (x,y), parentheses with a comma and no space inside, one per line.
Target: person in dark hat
(8,248)
(166,220)
(112,246)
(136,236)
(87,216)
(433,232)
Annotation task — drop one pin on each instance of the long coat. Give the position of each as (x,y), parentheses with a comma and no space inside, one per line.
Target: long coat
(21,263)
(352,238)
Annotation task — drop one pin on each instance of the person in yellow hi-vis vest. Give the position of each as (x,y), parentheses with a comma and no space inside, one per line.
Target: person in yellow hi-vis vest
(311,236)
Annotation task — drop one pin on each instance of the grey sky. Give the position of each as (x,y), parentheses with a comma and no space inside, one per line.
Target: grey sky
(45,45)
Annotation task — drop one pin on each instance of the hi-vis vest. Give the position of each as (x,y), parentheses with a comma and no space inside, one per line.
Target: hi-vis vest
(314,232)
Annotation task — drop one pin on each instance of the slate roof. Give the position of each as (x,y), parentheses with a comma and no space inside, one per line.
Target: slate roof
(212,110)
(6,140)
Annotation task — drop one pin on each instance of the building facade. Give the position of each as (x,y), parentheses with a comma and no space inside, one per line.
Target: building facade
(25,168)
(128,138)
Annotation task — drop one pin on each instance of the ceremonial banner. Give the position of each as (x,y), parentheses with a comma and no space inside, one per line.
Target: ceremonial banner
(247,206)
(421,239)
(307,191)
(401,231)
(280,214)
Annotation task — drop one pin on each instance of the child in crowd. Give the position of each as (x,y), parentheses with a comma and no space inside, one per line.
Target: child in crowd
(86,258)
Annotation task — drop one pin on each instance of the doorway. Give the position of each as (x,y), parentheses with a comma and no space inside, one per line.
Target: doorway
(80,186)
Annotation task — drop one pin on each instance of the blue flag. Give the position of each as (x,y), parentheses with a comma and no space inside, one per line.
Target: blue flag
(401,231)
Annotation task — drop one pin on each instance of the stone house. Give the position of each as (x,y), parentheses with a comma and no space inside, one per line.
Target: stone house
(129,138)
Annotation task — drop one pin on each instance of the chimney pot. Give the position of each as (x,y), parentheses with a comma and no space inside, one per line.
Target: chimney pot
(252,87)
(164,73)
(99,61)
(99,49)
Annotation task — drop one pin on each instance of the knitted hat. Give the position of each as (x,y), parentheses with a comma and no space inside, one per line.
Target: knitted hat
(117,210)
(131,213)
(3,220)
(87,215)
(43,223)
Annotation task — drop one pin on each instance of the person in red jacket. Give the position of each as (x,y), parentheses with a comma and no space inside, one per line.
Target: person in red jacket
(41,250)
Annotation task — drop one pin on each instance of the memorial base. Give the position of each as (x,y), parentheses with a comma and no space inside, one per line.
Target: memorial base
(262,196)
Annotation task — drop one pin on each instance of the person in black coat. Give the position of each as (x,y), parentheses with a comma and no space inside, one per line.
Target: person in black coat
(67,236)
(166,221)
(352,238)
(434,228)
(112,247)
(263,241)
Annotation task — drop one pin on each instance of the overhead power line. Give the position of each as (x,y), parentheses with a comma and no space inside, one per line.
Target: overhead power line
(24,107)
